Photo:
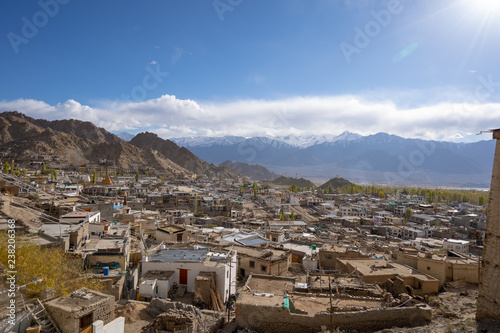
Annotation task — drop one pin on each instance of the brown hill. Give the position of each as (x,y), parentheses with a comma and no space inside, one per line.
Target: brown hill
(335,183)
(252,171)
(79,143)
(289,181)
(181,156)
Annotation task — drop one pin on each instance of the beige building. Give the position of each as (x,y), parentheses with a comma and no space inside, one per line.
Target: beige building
(328,255)
(79,310)
(268,261)
(379,270)
(171,234)
(441,267)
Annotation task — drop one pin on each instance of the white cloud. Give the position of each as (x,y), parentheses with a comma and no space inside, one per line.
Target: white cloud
(178,52)
(154,62)
(321,115)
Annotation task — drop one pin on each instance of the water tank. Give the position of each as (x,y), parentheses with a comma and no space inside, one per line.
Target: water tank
(105,271)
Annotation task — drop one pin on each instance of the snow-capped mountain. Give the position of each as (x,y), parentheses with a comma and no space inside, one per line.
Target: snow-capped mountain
(207,141)
(290,140)
(378,157)
(124,135)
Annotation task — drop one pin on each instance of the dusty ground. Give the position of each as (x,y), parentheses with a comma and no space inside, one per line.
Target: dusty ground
(29,217)
(135,315)
(453,311)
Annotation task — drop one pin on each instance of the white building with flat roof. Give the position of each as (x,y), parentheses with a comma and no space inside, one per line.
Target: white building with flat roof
(458,245)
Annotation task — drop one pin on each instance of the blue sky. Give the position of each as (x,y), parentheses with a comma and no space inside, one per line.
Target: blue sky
(422,68)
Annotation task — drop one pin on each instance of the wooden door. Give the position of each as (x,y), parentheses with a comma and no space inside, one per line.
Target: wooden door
(183,276)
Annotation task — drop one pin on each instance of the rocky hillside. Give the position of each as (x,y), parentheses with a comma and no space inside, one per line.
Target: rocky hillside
(335,183)
(181,156)
(252,171)
(289,181)
(77,143)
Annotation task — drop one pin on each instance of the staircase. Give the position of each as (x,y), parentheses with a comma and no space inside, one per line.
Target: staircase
(181,290)
(43,318)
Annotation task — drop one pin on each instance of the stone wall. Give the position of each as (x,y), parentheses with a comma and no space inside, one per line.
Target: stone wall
(488,301)
(275,319)
(68,319)
(113,285)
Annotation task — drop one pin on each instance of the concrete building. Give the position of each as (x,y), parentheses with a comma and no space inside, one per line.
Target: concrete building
(187,264)
(80,217)
(458,245)
(488,302)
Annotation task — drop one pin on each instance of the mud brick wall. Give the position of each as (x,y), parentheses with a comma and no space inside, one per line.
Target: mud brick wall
(68,319)
(275,319)
(488,301)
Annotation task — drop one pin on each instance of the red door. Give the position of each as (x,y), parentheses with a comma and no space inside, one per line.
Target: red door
(183,276)
(179,238)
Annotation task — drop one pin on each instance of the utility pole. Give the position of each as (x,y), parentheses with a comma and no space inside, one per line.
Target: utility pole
(331,305)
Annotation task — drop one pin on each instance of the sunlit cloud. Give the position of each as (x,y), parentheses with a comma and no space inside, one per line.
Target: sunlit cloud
(170,116)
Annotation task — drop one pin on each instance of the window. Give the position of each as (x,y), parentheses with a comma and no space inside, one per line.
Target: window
(428,268)
(275,239)
(263,268)
(328,256)
(252,264)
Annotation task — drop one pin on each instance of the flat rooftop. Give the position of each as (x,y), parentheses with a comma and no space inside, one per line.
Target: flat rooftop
(104,243)
(374,267)
(267,284)
(176,255)
(160,275)
(309,304)
(78,300)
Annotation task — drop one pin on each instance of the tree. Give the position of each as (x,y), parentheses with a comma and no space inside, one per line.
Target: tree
(255,190)
(481,200)
(62,274)
(292,216)
(330,189)
(94,176)
(43,168)
(408,214)
(12,168)
(282,216)
(137,176)
(195,205)
(24,172)
(54,174)
(6,167)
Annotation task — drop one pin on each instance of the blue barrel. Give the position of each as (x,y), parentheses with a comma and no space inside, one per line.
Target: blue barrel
(105,271)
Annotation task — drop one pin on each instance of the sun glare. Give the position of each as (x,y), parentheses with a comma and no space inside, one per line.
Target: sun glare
(486,5)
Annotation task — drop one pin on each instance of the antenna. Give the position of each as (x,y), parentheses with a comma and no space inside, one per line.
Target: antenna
(488,131)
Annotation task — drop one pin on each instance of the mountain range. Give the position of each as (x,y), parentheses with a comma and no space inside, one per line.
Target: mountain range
(381,158)
(75,142)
